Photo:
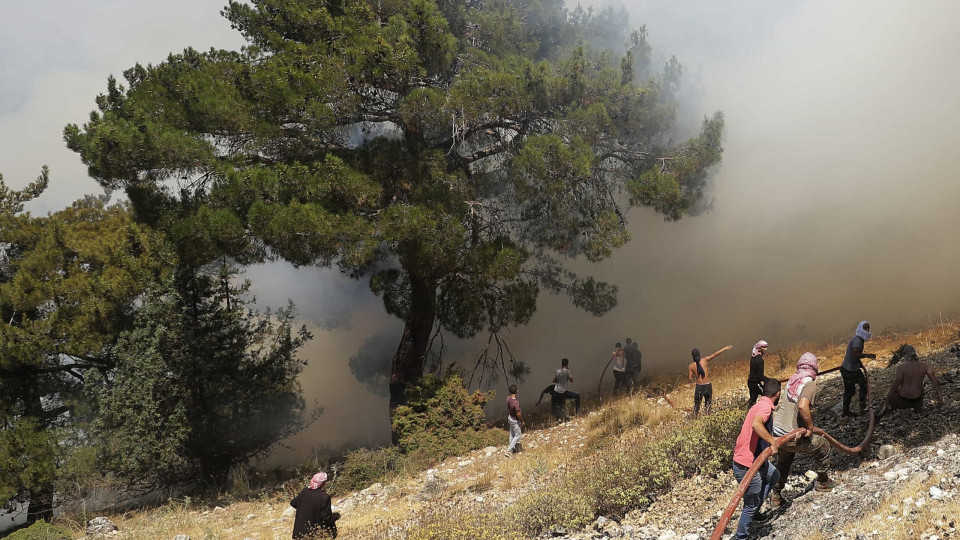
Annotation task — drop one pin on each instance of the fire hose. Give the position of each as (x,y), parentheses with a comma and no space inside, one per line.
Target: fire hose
(789,437)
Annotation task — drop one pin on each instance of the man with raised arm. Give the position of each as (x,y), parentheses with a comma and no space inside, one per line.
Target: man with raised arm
(793,412)
(756,430)
(851,368)
(906,391)
(699,371)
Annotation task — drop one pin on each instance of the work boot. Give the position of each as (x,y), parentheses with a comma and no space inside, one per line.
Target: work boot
(776,500)
(848,413)
(824,484)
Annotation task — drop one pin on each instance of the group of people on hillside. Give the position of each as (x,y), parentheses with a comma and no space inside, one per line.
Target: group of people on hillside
(772,415)
(774,411)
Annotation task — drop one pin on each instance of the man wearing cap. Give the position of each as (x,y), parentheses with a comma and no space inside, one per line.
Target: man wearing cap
(314,511)
(906,392)
(851,368)
(793,412)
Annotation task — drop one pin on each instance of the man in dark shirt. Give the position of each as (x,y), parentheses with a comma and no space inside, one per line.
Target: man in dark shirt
(634,357)
(756,378)
(314,511)
(515,420)
(851,369)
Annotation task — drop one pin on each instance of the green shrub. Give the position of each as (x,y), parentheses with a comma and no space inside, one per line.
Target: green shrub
(706,445)
(538,511)
(364,467)
(443,419)
(40,530)
(897,354)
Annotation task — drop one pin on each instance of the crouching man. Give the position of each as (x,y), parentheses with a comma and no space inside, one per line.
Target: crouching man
(792,412)
(754,437)
(906,392)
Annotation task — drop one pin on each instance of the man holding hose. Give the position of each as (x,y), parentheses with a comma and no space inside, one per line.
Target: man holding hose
(793,412)
(754,433)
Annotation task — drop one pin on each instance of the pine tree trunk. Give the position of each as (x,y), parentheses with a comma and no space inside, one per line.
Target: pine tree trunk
(408,361)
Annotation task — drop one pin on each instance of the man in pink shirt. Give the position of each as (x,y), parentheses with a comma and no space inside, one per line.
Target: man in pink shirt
(750,443)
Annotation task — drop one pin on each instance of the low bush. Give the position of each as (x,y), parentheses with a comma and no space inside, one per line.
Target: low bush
(40,530)
(365,466)
(536,512)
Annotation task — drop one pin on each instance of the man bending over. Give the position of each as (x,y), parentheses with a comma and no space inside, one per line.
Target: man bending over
(906,392)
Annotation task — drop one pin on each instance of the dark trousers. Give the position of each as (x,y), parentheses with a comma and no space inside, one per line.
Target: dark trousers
(756,388)
(850,381)
(620,381)
(759,490)
(558,402)
(704,392)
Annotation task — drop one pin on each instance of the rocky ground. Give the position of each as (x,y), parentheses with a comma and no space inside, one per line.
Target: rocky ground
(911,472)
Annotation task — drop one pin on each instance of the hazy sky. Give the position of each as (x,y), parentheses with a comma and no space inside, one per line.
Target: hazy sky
(837,199)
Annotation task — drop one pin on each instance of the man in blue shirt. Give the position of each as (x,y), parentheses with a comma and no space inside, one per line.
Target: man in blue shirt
(851,369)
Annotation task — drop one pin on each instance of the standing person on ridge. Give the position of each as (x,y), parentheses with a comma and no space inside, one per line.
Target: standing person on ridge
(851,367)
(756,377)
(906,391)
(793,412)
(699,371)
(619,361)
(756,429)
(634,357)
(515,420)
(561,379)
(314,511)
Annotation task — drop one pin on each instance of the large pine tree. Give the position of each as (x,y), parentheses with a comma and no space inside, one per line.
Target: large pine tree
(456,151)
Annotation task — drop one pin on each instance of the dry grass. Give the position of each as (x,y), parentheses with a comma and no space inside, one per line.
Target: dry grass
(622,423)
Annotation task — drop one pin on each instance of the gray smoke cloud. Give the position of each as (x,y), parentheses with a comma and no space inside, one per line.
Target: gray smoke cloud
(836,200)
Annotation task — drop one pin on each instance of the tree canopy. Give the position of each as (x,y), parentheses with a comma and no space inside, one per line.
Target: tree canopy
(456,152)
(68,282)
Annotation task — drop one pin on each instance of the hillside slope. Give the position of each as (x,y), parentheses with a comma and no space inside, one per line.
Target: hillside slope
(484,495)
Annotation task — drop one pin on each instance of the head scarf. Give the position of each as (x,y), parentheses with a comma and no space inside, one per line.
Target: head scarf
(318,480)
(807,367)
(696,360)
(756,348)
(863,334)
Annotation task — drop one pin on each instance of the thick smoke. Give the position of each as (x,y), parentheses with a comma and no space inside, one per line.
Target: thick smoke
(836,200)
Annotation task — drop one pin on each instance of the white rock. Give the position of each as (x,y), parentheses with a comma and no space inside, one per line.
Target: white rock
(668,535)
(811,475)
(936,493)
(601,521)
(180,537)
(289,512)
(218,509)
(249,517)
(691,536)
(479,499)
(100,526)
(890,476)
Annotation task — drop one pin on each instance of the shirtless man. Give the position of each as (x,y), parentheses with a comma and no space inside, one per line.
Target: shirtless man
(906,392)
(699,371)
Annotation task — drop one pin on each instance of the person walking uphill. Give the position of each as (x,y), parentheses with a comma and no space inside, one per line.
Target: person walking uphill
(756,377)
(699,370)
(314,511)
(515,420)
(794,411)
(851,368)
(756,428)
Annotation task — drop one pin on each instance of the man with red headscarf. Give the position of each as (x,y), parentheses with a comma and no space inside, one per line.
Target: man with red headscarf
(793,412)
(314,511)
